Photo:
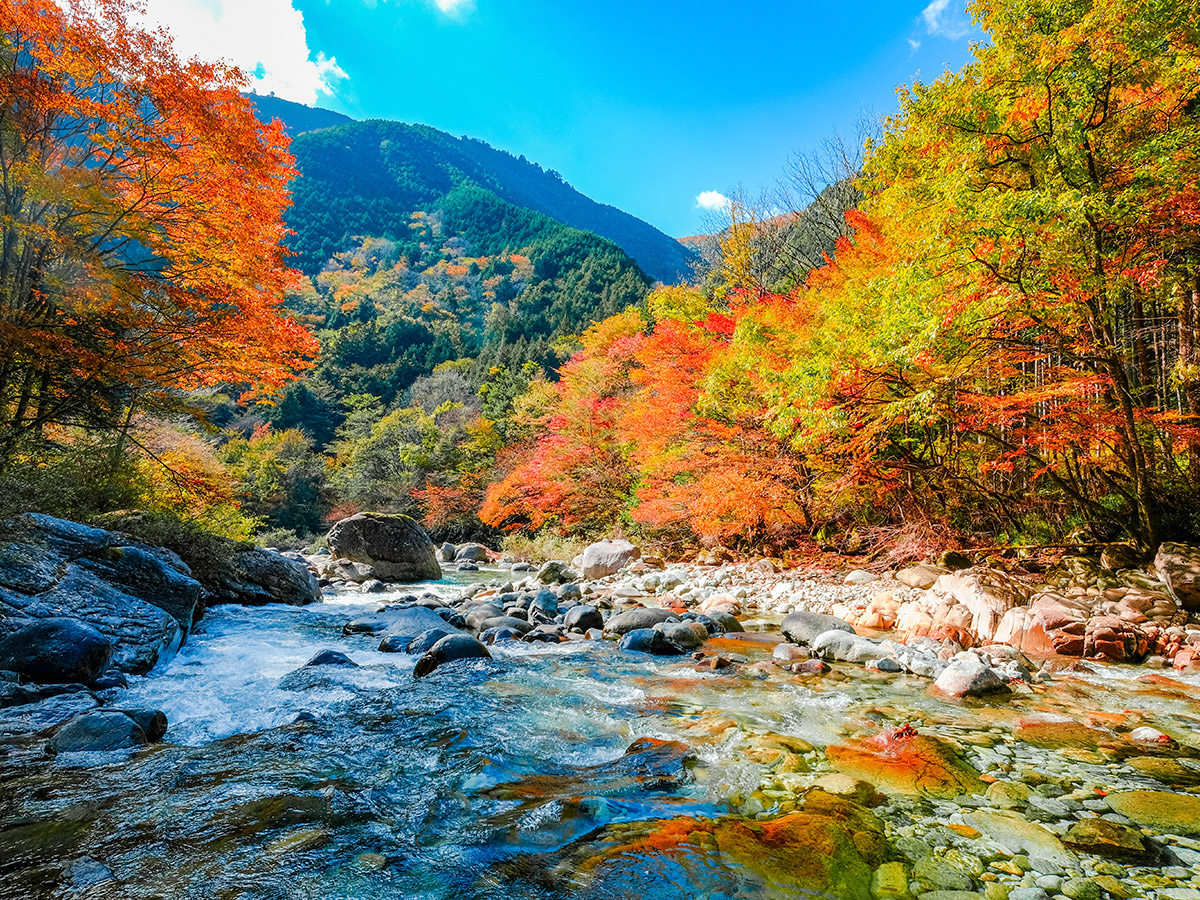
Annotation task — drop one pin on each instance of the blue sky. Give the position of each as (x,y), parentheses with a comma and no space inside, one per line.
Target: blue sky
(644,105)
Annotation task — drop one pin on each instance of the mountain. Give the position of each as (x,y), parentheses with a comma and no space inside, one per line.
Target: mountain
(296,117)
(393,165)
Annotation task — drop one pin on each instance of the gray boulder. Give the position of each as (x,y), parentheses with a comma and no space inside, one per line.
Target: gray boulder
(251,576)
(967,676)
(685,635)
(153,722)
(607,558)
(98,731)
(153,575)
(649,640)
(57,651)
(581,619)
(141,599)
(448,649)
(395,546)
(141,633)
(847,647)
(637,618)
(803,627)
(447,552)
(471,553)
(556,573)
(1178,566)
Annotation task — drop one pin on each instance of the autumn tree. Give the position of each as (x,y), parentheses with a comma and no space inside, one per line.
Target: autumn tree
(141,252)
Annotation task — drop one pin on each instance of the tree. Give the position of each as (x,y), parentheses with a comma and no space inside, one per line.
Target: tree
(141,252)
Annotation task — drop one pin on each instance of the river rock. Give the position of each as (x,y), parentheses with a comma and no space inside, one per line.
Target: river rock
(253,577)
(395,546)
(906,762)
(685,635)
(1178,566)
(423,642)
(141,599)
(986,593)
(607,557)
(330,658)
(98,731)
(1017,834)
(967,676)
(447,552)
(921,576)
(153,722)
(476,553)
(1102,837)
(56,651)
(804,627)
(38,716)
(448,649)
(1173,813)
(581,619)
(649,640)
(637,618)
(556,573)
(847,647)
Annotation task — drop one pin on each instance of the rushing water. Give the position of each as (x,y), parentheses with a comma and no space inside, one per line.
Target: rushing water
(482,780)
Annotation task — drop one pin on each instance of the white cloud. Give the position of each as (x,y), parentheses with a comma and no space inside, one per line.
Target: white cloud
(914,44)
(946,21)
(455,7)
(713,201)
(265,37)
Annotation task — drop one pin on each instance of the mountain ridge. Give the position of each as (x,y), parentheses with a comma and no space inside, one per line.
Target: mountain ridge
(416,149)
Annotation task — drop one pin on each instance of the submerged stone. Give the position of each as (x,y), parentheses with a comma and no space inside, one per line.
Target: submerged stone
(1017,834)
(905,762)
(1175,813)
(448,649)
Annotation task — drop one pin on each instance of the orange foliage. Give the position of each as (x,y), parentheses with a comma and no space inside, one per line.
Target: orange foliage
(147,200)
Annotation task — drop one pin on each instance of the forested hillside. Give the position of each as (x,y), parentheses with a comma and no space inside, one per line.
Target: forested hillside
(366,177)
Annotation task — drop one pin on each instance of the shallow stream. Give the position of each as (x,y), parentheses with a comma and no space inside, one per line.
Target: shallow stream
(483,780)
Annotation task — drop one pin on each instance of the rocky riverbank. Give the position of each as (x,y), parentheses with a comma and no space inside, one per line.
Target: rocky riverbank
(612,726)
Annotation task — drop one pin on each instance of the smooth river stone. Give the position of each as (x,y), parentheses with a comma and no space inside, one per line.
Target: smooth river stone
(1017,834)
(904,762)
(1174,813)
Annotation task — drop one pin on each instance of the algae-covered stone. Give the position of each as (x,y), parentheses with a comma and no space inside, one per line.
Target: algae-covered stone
(1081,889)
(1016,835)
(1175,813)
(905,762)
(803,854)
(890,882)
(1102,837)
(936,874)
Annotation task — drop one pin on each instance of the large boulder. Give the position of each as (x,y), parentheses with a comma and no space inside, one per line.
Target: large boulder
(804,627)
(1178,566)
(252,577)
(395,546)
(56,651)
(141,599)
(986,593)
(142,634)
(98,731)
(471,553)
(607,558)
(448,649)
(637,618)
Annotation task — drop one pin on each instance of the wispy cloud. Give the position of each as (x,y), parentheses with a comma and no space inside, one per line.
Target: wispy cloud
(713,201)
(455,8)
(267,38)
(946,20)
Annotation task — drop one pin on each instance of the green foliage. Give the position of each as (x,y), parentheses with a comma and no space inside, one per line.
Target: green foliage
(367,177)
(280,480)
